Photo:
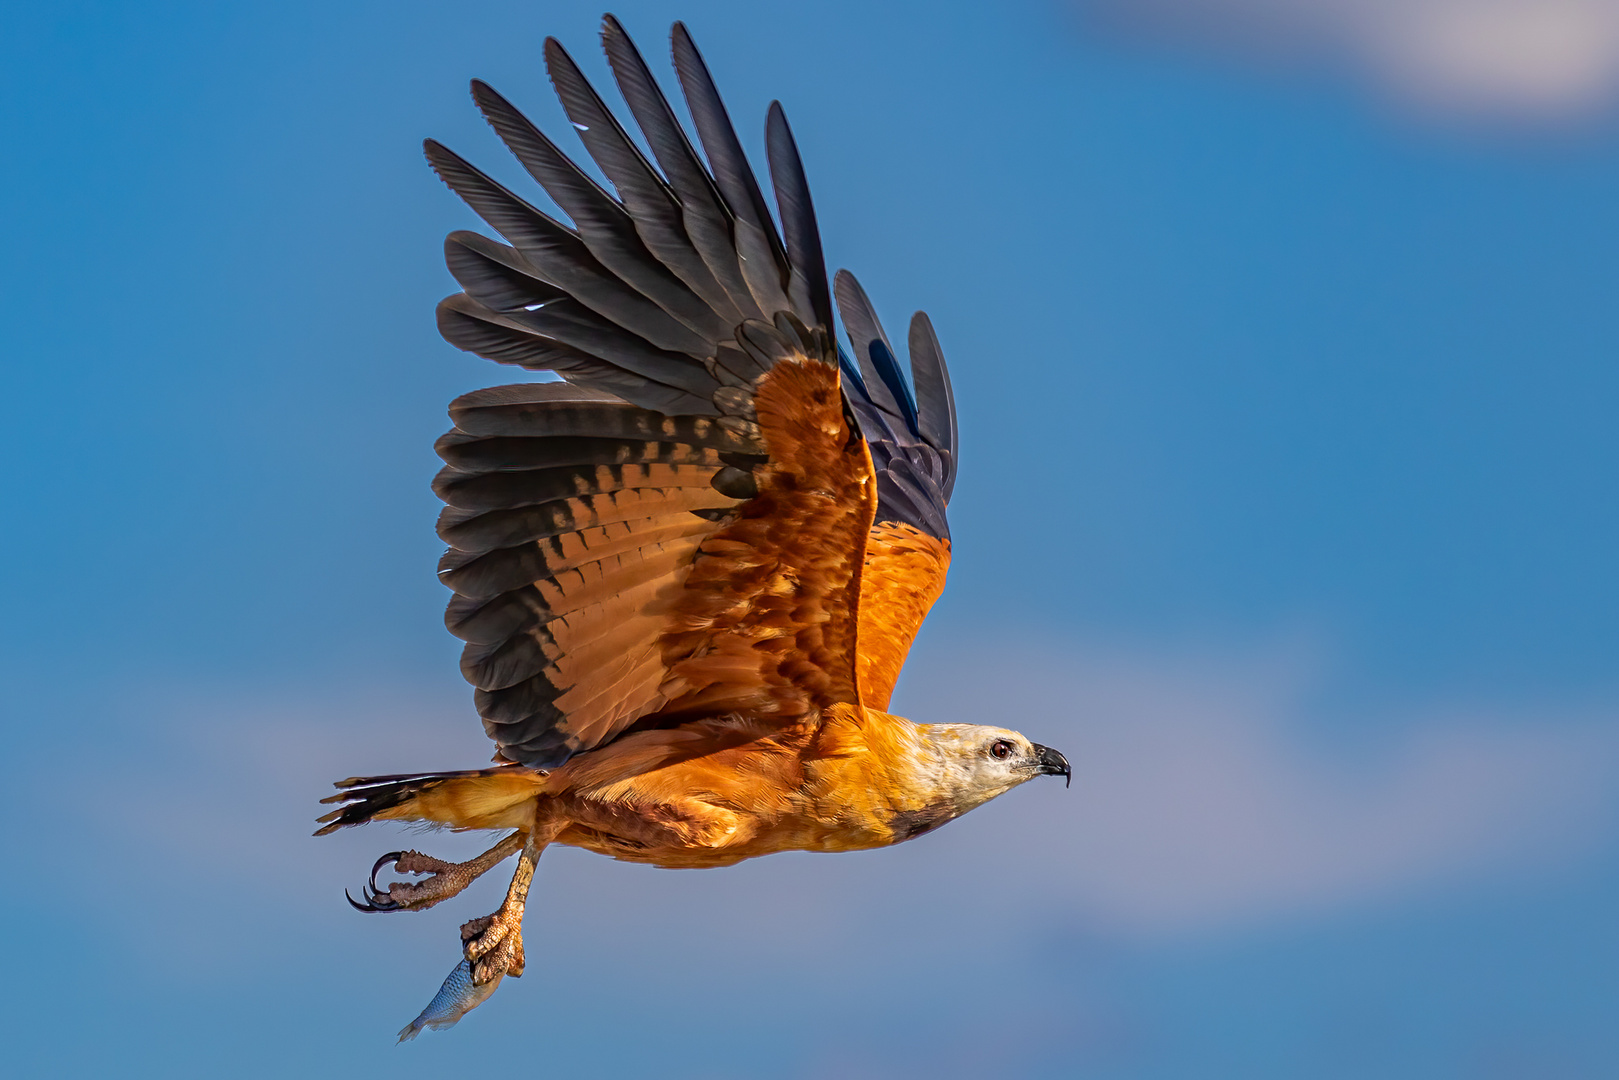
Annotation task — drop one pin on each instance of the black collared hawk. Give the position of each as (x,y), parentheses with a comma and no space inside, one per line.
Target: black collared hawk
(688,573)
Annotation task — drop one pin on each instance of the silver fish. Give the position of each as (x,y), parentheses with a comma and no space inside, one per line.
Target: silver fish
(458,996)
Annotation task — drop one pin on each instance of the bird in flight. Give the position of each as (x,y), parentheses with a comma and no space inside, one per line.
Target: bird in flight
(688,573)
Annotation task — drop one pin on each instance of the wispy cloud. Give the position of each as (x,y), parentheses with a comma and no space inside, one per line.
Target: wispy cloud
(1520,59)
(1198,804)
(1201,804)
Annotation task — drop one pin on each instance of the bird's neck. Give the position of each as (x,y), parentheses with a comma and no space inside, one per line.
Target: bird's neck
(895,763)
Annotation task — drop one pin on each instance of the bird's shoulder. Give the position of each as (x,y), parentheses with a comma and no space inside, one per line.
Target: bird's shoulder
(844,756)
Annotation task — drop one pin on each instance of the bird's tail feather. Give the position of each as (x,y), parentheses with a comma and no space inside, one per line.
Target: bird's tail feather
(493,798)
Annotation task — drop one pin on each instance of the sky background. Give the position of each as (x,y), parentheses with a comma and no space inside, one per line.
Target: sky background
(1283,334)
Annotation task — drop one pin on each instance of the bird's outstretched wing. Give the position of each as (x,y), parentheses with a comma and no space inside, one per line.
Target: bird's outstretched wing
(678,530)
(913,448)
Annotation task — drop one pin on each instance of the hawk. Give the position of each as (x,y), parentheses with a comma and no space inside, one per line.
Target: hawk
(688,573)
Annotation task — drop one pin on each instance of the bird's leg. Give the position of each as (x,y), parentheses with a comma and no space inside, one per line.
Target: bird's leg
(445,879)
(494,943)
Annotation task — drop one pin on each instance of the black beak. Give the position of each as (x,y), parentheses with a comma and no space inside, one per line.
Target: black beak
(1051,763)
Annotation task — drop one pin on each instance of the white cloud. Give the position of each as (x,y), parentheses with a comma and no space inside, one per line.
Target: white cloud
(1524,59)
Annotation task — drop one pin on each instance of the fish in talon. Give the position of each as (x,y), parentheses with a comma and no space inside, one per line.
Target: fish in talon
(458,996)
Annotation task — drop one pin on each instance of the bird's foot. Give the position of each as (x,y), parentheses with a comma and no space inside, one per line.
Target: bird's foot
(494,944)
(444,880)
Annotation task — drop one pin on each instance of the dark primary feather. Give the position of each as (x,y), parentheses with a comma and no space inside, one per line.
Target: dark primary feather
(557,254)
(469,325)
(653,209)
(603,225)
(806,284)
(935,401)
(764,261)
(495,275)
(912,442)
(707,220)
(879,370)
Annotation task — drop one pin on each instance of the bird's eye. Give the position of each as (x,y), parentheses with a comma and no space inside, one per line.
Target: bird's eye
(1001,749)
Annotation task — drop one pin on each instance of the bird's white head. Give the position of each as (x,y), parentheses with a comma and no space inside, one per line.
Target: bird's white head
(965,765)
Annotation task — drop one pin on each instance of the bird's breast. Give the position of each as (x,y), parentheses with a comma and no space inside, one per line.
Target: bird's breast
(847,785)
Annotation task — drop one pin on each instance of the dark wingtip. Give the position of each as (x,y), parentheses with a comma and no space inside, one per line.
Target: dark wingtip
(484,96)
(438,155)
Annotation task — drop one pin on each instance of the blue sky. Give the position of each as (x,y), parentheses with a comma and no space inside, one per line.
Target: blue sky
(1287,511)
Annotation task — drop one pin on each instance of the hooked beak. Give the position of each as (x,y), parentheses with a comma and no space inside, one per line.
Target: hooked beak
(1051,763)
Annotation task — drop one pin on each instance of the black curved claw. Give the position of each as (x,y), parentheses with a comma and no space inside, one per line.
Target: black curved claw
(392,856)
(373,902)
(376,899)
